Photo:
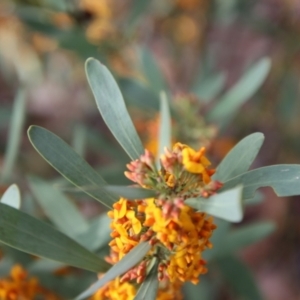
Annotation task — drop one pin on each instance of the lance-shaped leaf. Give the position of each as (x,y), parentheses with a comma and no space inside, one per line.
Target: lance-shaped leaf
(126,263)
(14,136)
(59,209)
(226,206)
(148,290)
(284,179)
(12,197)
(69,164)
(44,265)
(239,277)
(79,139)
(165,134)
(244,89)
(30,235)
(130,192)
(111,105)
(240,158)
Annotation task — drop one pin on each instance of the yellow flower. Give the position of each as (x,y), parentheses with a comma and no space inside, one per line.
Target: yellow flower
(19,286)
(186,237)
(126,228)
(115,290)
(176,232)
(196,162)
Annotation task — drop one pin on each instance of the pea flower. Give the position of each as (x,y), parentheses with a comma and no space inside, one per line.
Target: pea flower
(19,286)
(176,232)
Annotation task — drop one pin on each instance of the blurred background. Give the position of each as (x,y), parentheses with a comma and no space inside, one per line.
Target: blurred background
(195,50)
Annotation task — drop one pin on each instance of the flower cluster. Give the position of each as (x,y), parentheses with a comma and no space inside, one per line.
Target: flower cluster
(177,233)
(116,290)
(19,286)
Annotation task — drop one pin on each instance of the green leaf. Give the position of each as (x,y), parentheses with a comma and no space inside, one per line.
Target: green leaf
(12,197)
(209,88)
(165,135)
(129,192)
(239,277)
(44,265)
(111,105)
(284,179)
(97,235)
(69,164)
(125,264)
(148,289)
(60,210)
(244,89)
(240,158)
(247,235)
(79,139)
(151,71)
(30,235)
(14,135)
(226,206)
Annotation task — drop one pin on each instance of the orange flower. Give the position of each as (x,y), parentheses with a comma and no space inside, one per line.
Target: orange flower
(176,232)
(115,290)
(19,286)
(126,228)
(186,237)
(196,162)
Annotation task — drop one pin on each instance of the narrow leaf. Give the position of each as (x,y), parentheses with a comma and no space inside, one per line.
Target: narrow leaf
(240,158)
(30,235)
(79,139)
(69,164)
(239,277)
(111,105)
(165,134)
(44,265)
(148,289)
(126,263)
(226,206)
(60,210)
(244,89)
(129,192)
(284,179)
(14,135)
(12,197)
